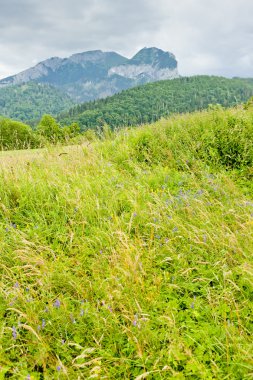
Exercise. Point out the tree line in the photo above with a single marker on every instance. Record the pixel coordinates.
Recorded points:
(17, 135)
(150, 102)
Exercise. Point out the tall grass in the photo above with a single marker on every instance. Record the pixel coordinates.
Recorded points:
(131, 257)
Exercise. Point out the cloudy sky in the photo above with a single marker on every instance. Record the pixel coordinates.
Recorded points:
(207, 36)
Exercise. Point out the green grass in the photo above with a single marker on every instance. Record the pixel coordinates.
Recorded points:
(131, 258)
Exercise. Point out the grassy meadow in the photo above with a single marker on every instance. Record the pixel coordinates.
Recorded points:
(131, 256)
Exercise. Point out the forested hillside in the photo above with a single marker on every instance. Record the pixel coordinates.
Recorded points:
(152, 101)
(30, 101)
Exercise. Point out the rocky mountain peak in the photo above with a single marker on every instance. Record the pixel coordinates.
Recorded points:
(94, 74)
(155, 57)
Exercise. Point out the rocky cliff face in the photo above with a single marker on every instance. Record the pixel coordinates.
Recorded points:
(96, 74)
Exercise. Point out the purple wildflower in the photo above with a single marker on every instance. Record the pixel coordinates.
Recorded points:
(13, 301)
(57, 303)
(135, 321)
(58, 368)
(14, 332)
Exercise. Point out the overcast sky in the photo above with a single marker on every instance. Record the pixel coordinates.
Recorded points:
(207, 36)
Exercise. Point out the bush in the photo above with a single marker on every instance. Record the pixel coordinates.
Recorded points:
(50, 129)
(16, 135)
(232, 140)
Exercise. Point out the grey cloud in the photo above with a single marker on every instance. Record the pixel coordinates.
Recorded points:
(207, 36)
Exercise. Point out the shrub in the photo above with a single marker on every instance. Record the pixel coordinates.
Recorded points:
(16, 135)
(50, 129)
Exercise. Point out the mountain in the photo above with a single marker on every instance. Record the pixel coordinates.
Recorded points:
(96, 74)
(152, 101)
(30, 101)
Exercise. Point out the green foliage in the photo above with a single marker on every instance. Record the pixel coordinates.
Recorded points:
(28, 102)
(152, 101)
(249, 104)
(233, 141)
(16, 135)
(49, 128)
(71, 131)
(130, 257)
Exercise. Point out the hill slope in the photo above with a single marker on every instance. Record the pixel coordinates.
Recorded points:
(96, 74)
(30, 101)
(131, 258)
(152, 101)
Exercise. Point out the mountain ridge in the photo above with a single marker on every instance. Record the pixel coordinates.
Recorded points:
(96, 74)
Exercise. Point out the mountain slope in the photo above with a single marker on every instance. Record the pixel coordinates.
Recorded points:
(155, 100)
(96, 74)
(31, 100)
